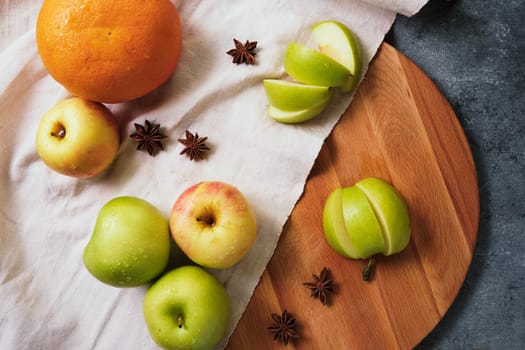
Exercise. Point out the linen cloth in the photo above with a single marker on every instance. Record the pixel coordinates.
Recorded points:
(48, 300)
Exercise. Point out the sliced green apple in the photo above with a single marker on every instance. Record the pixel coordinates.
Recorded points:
(391, 211)
(365, 233)
(338, 42)
(310, 66)
(334, 225)
(292, 96)
(292, 117)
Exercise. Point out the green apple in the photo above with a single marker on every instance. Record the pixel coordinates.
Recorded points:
(292, 117)
(130, 243)
(292, 96)
(338, 42)
(392, 213)
(368, 218)
(213, 224)
(78, 138)
(187, 308)
(310, 66)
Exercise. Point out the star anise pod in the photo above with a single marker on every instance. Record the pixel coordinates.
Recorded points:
(243, 53)
(321, 286)
(148, 137)
(195, 146)
(283, 328)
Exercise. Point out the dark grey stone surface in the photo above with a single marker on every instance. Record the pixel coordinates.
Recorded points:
(474, 51)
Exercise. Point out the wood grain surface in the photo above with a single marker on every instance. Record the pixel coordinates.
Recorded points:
(400, 128)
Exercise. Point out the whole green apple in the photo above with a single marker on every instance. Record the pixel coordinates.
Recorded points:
(368, 218)
(337, 41)
(130, 243)
(213, 224)
(187, 308)
(78, 138)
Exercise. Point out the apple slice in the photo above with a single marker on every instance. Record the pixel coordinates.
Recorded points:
(391, 211)
(310, 66)
(334, 226)
(293, 96)
(361, 223)
(292, 117)
(337, 41)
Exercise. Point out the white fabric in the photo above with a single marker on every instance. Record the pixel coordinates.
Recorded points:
(47, 298)
(407, 8)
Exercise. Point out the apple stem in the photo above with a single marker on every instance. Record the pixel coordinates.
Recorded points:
(367, 272)
(61, 133)
(179, 321)
(207, 220)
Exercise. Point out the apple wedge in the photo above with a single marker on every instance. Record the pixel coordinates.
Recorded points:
(292, 96)
(310, 66)
(391, 211)
(339, 43)
(361, 223)
(334, 226)
(293, 117)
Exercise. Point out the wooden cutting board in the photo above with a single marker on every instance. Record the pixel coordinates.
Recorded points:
(399, 128)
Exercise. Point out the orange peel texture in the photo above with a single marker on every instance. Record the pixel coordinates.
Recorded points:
(109, 51)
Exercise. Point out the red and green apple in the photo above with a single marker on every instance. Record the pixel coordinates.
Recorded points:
(213, 224)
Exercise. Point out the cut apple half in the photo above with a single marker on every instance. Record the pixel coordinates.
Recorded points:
(338, 42)
(391, 211)
(292, 117)
(293, 96)
(310, 66)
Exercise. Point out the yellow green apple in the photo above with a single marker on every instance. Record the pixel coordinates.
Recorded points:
(368, 218)
(130, 243)
(187, 308)
(310, 66)
(78, 138)
(213, 224)
(299, 116)
(292, 96)
(337, 41)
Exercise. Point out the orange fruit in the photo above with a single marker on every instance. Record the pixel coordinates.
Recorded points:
(109, 51)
